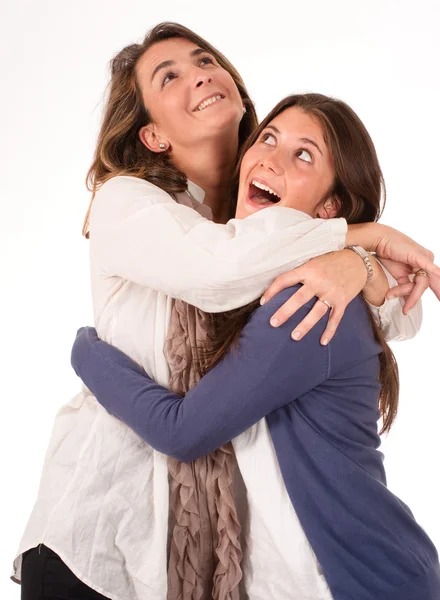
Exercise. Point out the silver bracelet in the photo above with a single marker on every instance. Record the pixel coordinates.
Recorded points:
(365, 257)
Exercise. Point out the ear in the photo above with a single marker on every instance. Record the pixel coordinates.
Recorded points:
(329, 209)
(151, 140)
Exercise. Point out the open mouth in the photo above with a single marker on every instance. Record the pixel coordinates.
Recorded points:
(209, 101)
(262, 194)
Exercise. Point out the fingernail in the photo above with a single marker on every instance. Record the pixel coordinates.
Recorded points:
(274, 322)
(391, 296)
(325, 342)
(296, 335)
(263, 301)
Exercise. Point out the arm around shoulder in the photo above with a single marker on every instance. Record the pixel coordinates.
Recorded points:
(267, 370)
(138, 232)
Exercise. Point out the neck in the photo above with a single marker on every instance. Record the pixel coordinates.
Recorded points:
(211, 167)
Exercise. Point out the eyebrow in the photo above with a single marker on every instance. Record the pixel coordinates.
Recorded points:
(162, 65)
(303, 139)
(169, 63)
(309, 141)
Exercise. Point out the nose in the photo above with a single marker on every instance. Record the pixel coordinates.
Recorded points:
(272, 162)
(201, 77)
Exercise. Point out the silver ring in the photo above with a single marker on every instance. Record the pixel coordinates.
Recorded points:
(326, 303)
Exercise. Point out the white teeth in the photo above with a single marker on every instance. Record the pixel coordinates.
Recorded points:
(266, 188)
(209, 101)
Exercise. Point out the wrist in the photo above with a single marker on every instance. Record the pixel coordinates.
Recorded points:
(366, 235)
(376, 290)
(365, 257)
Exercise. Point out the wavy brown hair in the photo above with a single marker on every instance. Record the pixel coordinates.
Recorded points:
(119, 150)
(360, 189)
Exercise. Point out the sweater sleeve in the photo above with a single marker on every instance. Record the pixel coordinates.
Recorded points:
(395, 325)
(266, 371)
(139, 233)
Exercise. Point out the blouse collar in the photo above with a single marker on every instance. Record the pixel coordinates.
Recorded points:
(196, 192)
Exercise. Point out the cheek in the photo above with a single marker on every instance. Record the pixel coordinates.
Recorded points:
(249, 161)
(300, 184)
(168, 111)
(302, 190)
(229, 84)
(252, 157)
(173, 100)
(245, 169)
(330, 180)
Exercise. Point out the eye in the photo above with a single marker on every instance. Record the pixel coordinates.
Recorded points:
(305, 156)
(206, 60)
(168, 77)
(269, 139)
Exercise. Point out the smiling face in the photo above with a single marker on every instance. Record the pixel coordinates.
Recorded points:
(288, 165)
(189, 96)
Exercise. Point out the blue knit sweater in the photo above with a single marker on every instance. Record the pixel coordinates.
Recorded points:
(320, 403)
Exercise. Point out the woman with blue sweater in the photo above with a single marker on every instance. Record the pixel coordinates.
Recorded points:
(321, 402)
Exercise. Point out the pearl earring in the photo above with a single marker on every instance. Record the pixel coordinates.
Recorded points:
(162, 146)
(244, 109)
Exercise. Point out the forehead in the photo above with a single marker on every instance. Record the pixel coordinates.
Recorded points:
(173, 49)
(295, 122)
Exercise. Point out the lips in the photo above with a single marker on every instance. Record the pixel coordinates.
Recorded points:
(261, 194)
(208, 101)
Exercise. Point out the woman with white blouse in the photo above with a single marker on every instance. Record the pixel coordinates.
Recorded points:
(176, 117)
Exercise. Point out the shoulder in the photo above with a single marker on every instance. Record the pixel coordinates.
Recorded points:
(265, 312)
(354, 340)
(279, 338)
(283, 361)
(127, 183)
(356, 319)
(123, 195)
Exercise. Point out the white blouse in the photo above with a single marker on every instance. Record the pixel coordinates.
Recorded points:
(102, 504)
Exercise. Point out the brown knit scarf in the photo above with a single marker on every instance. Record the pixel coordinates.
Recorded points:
(205, 550)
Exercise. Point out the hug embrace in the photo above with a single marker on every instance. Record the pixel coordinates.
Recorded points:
(225, 443)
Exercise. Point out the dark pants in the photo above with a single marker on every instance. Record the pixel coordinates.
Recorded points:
(45, 577)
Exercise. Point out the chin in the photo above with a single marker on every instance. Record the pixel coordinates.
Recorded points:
(244, 211)
(228, 118)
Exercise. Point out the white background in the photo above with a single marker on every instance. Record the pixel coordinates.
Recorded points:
(380, 56)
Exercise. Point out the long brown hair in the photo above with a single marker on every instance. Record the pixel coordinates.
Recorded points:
(119, 150)
(360, 189)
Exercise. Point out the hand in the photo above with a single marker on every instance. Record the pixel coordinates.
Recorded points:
(410, 286)
(434, 284)
(392, 244)
(337, 277)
